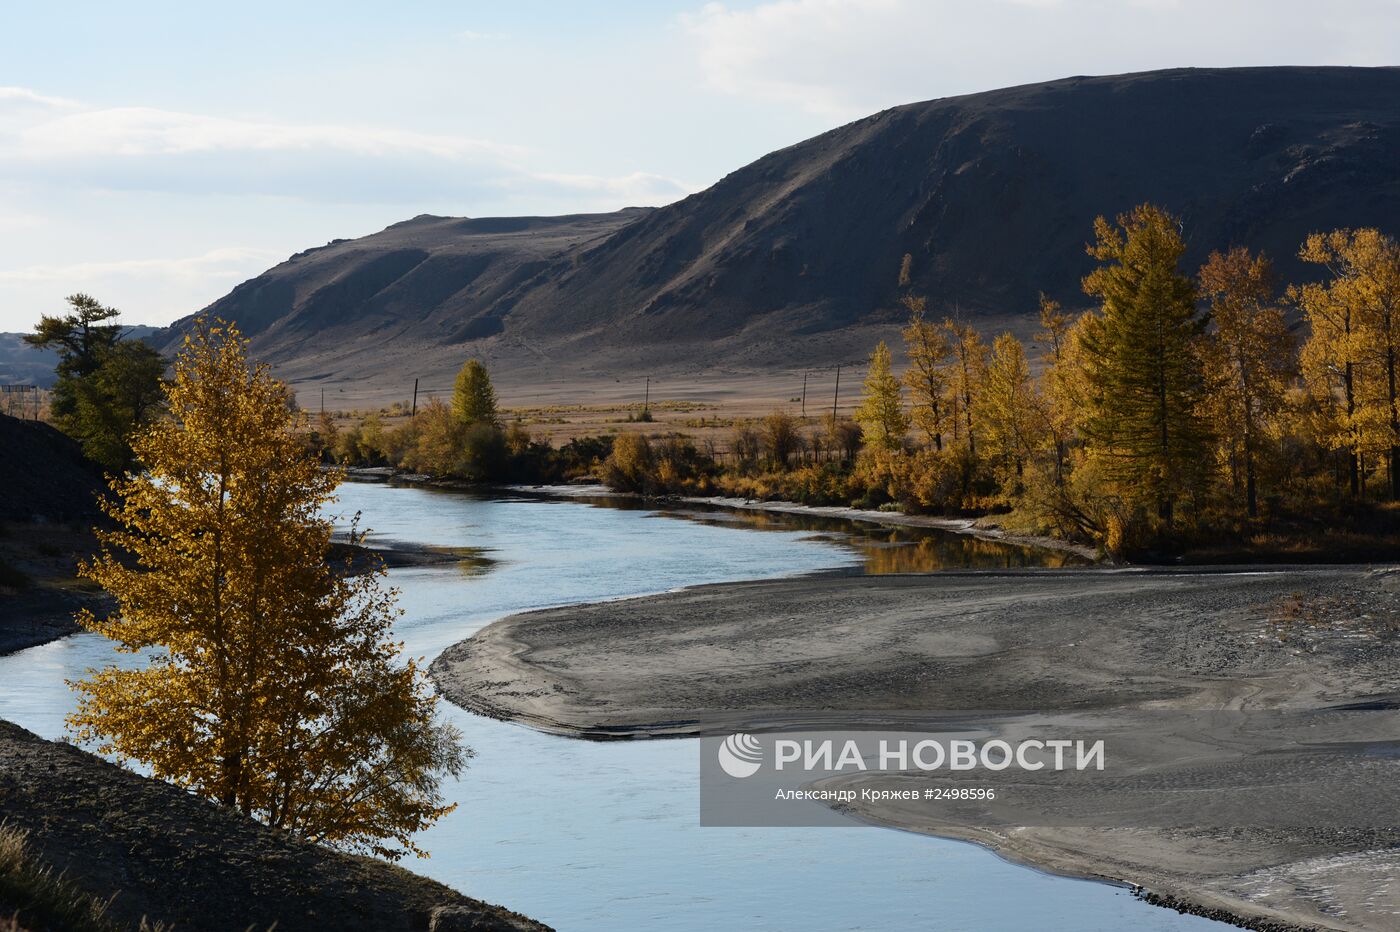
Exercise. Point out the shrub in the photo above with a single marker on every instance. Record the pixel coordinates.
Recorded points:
(628, 466)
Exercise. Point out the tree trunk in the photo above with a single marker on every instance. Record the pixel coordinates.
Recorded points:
(1251, 496)
(1393, 463)
(1354, 460)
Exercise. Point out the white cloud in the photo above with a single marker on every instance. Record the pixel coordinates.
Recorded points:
(23, 95)
(844, 59)
(150, 149)
(636, 189)
(151, 290)
(216, 263)
(73, 173)
(144, 131)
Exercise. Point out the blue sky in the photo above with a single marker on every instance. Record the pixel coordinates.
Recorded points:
(156, 154)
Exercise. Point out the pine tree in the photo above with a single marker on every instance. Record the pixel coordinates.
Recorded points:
(926, 345)
(881, 412)
(274, 686)
(1143, 357)
(107, 388)
(473, 398)
(1250, 359)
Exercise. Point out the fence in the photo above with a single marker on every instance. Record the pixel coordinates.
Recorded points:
(22, 401)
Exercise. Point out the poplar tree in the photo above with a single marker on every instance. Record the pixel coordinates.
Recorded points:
(1143, 361)
(1250, 359)
(274, 686)
(881, 412)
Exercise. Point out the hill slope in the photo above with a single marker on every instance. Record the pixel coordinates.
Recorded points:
(156, 851)
(794, 259)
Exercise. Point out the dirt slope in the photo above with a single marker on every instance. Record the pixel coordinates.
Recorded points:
(170, 856)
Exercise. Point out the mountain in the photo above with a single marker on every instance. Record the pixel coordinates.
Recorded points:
(794, 259)
(22, 364)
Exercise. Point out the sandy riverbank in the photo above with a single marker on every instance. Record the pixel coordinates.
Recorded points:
(747, 654)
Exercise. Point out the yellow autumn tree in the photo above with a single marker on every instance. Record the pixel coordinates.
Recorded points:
(926, 345)
(1061, 380)
(1352, 358)
(1068, 495)
(473, 397)
(1010, 413)
(1142, 355)
(968, 360)
(881, 413)
(273, 686)
(1250, 362)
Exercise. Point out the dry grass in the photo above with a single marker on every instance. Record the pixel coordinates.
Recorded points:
(33, 896)
(1308, 621)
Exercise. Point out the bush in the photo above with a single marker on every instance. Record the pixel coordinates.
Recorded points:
(628, 467)
(482, 455)
(670, 465)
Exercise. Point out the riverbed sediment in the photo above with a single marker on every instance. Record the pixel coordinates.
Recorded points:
(736, 657)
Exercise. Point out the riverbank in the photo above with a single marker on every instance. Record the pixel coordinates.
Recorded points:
(158, 852)
(42, 594)
(734, 657)
(981, 528)
(39, 588)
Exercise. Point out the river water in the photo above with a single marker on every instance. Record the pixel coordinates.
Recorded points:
(605, 836)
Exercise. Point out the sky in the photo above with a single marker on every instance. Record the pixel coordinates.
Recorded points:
(155, 154)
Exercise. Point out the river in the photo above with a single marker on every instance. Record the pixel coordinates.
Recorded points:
(589, 836)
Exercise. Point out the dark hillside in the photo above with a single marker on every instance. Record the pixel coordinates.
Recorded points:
(794, 259)
(44, 475)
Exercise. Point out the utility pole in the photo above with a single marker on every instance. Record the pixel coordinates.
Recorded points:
(835, 396)
(323, 401)
(646, 399)
(415, 399)
(804, 392)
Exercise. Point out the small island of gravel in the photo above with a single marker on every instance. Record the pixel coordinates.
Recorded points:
(731, 657)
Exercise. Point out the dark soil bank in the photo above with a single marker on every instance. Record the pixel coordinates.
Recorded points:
(169, 856)
(44, 475)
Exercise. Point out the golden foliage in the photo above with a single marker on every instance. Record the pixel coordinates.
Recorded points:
(881, 413)
(1011, 412)
(1250, 364)
(927, 347)
(273, 686)
(1351, 358)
